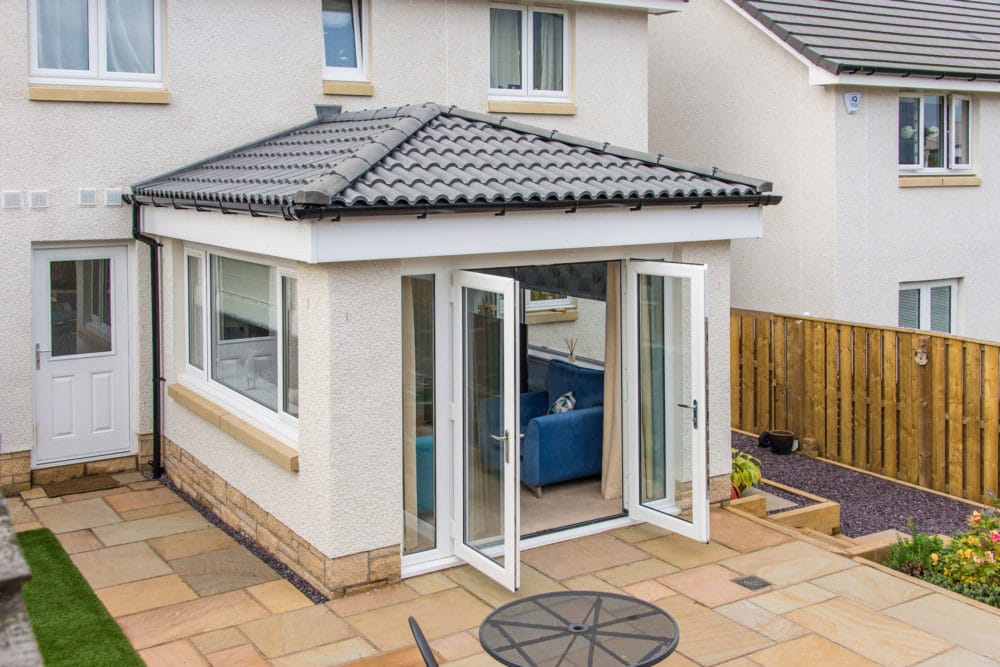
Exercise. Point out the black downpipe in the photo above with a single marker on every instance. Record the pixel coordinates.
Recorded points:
(154, 286)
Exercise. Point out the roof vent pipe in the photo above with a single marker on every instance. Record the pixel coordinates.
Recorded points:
(325, 112)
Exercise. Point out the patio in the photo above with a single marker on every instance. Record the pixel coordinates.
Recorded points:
(186, 593)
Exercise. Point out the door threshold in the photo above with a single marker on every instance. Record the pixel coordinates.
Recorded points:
(578, 530)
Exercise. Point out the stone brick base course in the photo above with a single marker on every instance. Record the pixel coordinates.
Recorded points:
(15, 472)
(334, 577)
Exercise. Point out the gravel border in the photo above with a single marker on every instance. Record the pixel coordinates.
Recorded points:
(868, 504)
(247, 542)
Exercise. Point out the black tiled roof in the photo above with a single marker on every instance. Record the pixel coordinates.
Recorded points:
(949, 38)
(428, 155)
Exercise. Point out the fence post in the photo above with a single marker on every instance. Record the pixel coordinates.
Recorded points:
(922, 372)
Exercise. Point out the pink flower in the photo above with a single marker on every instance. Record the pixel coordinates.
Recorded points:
(995, 535)
(976, 517)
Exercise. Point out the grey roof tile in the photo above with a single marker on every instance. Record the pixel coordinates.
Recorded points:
(428, 155)
(951, 38)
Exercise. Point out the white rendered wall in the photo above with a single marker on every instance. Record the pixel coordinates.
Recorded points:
(587, 329)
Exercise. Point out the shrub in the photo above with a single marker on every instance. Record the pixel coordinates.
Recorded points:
(746, 470)
(914, 556)
(973, 556)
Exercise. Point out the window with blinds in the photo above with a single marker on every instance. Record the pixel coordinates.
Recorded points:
(928, 305)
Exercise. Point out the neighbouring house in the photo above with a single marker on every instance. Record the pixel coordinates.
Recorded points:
(877, 121)
(352, 322)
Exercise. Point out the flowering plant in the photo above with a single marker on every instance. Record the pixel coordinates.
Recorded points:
(973, 556)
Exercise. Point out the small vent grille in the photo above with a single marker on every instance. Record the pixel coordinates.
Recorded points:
(11, 199)
(88, 197)
(38, 199)
(113, 197)
(752, 582)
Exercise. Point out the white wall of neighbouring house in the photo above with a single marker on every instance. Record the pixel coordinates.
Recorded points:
(724, 93)
(236, 72)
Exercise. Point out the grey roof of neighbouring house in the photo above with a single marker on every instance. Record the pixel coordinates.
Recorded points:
(427, 155)
(940, 38)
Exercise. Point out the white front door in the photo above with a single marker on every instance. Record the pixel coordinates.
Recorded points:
(487, 465)
(81, 354)
(667, 475)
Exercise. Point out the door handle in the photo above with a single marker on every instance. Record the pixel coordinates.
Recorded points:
(694, 415)
(506, 444)
(38, 356)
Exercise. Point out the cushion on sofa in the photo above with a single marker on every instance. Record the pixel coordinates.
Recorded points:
(587, 384)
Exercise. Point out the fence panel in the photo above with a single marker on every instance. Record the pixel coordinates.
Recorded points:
(913, 405)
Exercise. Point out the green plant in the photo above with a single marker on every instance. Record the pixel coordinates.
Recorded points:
(915, 556)
(746, 470)
(973, 556)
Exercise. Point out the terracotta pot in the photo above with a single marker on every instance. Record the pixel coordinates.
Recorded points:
(734, 491)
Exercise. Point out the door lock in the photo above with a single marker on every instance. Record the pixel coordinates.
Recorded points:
(694, 414)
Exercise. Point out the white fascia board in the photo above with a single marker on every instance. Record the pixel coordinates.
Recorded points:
(651, 6)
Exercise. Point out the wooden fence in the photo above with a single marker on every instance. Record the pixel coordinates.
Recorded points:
(913, 405)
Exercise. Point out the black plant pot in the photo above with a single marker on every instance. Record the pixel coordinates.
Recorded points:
(780, 442)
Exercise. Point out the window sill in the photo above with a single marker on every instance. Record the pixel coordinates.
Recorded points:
(270, 447)
(549, 316)
(939, 181)
(356, 88)
(541, 108)
(48, 93)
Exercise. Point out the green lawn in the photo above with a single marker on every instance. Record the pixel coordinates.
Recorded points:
(72, 626)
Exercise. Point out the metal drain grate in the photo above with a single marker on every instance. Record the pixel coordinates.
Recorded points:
(752, 582)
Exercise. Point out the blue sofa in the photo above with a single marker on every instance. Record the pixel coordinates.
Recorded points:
(566, 445)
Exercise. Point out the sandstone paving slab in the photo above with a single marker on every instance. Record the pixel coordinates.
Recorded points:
(279, 596)
(650, 590)
(533, 582)
(238, 656)
(793, 597)
(100, 493)
(68, 517)
(639, 533)
(181, 545)
(426, 584)
(19, 511)
(35, 492)
(740, 533)
(128, 477)
(963, 624)
(79, 540)
(35, 503)
(871, 587)
(218, 640)
(809, 650)
(336, 653)
(439, 614)
(457, 646)
(382, 597)
(712, 585)
(789, 563)
(296, 631)
(156, 510)
(590, 582)
(683, 552)
(959, 656)
(187, 619)
(137, 596)
(477, 660)
(773, 626)
(586, 555)
(145, 484)
(175, 654)
(119, 565)
(134, 500)
(220, 571)
(31, 525)
(678, 659)
(708, 637)
(623, 575)
(742, 661)
(870, 633)
(145, 529)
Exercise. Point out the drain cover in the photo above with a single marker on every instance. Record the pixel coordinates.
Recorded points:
(752, 582)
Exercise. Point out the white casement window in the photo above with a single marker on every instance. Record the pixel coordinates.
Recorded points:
(96, 42)
(242, 339)
(935, 132)
(529, 52)
(929, 305)
(343, 41)
(535, 300)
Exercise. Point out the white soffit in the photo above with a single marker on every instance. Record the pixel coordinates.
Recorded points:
(406, 236)
(651, 6)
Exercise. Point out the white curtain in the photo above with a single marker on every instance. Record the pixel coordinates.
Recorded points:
(131, 36)
(548, 48)
(63, 34)
(505, 48)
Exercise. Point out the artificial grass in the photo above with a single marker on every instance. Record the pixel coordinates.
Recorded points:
(71, 624)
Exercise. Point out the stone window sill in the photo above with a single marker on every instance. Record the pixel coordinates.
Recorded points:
(540, 108)
(935, 181)
(50, 93)
(270, 447)
(355, 88)
(547, 316)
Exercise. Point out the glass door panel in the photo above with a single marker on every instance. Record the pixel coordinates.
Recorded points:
(668, 446)
(487, 478)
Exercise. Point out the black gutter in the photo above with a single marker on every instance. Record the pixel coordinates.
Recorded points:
(154, 285)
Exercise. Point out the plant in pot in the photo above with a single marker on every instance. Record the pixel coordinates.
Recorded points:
(746, 473)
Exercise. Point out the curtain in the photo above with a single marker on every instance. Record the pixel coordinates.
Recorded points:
(611, 469)
(131, 36)
(548, 50)
(505, 48)
(411, 534)
(63, 34)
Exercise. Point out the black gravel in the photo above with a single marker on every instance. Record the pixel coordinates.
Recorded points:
(868, 504)
(251, 545)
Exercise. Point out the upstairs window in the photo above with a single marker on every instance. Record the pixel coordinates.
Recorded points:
(928, 305)
(344, 57)
(935, 132)
(96, 41)
(529, 52)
